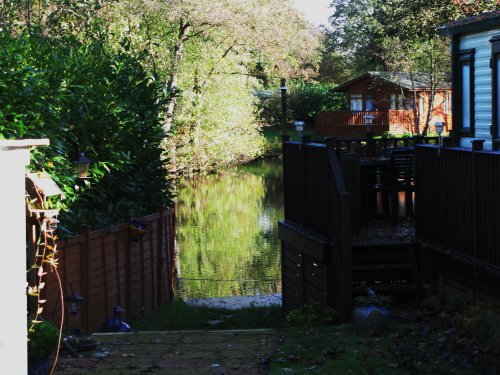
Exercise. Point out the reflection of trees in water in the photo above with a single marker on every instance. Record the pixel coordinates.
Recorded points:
(227, 230)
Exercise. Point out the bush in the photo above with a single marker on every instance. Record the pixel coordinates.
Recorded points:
(87, 97)
(312, 315)
(42, 340)
(305, 101)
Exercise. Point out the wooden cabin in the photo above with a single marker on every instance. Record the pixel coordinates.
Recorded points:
(475, 49)
(398, 102)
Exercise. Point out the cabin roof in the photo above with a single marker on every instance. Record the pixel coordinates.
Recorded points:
(477, 23)
(402, 79)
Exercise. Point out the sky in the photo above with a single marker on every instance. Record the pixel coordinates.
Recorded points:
(316, 11)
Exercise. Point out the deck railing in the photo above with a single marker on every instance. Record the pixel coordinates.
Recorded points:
(367, 147)
(458, 202)
(316, 232)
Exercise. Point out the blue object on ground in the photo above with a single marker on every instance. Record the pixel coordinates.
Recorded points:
(115, 324)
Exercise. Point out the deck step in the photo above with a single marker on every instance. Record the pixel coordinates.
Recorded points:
(384, 289)
(381, 267)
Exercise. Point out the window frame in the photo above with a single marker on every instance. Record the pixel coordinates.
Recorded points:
(495, 92)
(466, 57)
(359, 99)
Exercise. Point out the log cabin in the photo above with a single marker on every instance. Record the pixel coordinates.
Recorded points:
(398, 101)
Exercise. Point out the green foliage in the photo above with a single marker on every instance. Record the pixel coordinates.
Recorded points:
(178, 315)
(87, 97)
(42, 340)
(305, 101)
(215, 128)
(312, 315)
(475, 321)
(388, 134)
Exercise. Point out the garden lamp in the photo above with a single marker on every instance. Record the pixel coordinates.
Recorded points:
(82, 164)
(369, 122)
(299, 126)
(439, 126)
(283, 90)
(74, 301)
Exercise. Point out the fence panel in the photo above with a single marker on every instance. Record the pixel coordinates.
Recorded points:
(316, 232)
(107, 268)
(458, 201)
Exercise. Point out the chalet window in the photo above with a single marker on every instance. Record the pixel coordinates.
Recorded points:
(393, 101)
(466, 91)
(411, 103)
(369, 103)
(401, 104)
(495, 65)
(356, 102)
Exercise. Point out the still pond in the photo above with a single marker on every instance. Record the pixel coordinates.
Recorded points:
(227, 232)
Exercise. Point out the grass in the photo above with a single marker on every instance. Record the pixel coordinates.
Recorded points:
(460, 339)
(180, 316)
(413, 343)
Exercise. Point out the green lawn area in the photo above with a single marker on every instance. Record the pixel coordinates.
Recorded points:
(458, 339)
(180, 316)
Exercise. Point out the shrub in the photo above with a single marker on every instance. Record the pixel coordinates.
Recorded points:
(87, 97)
(312, 315)
(305, 101)
(42, 340)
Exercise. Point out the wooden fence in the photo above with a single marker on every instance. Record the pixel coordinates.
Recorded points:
(316, 231)
(107, 268)
(458, 208)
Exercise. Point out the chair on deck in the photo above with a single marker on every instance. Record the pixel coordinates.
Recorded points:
(399, 176)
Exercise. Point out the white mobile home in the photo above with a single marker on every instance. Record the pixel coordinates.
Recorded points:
(475, 49)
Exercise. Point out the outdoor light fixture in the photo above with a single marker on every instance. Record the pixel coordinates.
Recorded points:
(369, 122)
(283, 89)
(81, 167)
(299, 127)
(74, 301)
(439, 126)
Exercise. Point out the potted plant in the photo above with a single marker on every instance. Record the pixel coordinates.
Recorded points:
(43, 340)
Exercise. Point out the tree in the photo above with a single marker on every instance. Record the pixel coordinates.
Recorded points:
(216, 49)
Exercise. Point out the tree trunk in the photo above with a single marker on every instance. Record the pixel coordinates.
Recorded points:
(184, 29)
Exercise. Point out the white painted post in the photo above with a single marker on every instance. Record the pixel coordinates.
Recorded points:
(14, 157)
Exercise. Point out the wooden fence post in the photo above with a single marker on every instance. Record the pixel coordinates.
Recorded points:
(84, 269)
(159, 258)
(128, 271)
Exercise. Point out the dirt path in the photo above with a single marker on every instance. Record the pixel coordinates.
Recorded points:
(178, 352)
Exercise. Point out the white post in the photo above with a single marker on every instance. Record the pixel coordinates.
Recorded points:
(14, 157)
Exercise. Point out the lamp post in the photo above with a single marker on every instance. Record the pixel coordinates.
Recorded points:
(369, 122)
(370, 144)
(439, 126)
(299, 127)
(81, 166)
(283, 90)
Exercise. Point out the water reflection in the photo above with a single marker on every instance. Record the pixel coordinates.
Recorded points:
(227, 232)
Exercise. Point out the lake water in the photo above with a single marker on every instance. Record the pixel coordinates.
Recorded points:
(227, 233)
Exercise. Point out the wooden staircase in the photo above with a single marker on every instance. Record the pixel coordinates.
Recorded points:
(389, 268)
